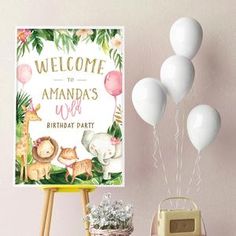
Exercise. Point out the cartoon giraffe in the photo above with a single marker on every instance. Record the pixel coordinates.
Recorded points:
(22, 147)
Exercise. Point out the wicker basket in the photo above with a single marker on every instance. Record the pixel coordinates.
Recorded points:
(111, 232)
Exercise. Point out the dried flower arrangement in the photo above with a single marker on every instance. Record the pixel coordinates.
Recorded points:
(110, 218)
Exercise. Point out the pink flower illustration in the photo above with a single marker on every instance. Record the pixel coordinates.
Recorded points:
(115, 140)
(23, 34)
(83, 33)
(38, 142)
(116, 41)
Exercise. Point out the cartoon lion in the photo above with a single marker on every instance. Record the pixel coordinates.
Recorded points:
(44, 151)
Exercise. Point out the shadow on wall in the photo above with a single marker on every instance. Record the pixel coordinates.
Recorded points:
(217, 88)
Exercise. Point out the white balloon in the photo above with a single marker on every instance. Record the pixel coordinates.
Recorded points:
(149, 100)
(177, 75)
(203, 124)
(186, 37)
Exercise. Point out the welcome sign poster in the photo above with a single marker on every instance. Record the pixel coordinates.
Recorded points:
(69, 106)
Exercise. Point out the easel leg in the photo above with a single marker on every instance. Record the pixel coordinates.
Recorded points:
(49, 214)
(45, 210)
(85, 201)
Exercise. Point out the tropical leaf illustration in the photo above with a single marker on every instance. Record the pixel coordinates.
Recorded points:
(36, 39)
(116, 57)
(64, 40)
(67, 40)
(57, 176)
(115, 130)
(22, 99)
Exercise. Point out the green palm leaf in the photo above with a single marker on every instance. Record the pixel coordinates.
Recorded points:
(22, 99)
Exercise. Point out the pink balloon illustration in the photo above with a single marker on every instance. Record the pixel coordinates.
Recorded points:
(113, 85)
(24, 73)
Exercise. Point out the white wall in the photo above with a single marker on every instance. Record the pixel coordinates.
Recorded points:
(147, 24)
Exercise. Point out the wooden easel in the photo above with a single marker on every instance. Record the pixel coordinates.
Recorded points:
(49, 192)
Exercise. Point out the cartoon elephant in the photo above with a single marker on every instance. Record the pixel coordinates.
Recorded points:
(107, 149)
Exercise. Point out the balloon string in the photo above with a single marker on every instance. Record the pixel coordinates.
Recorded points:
(181, 153)
(198, 173)
(154, 155)
(114, 109)
(157, 148)
(176, 136)
(196, 170)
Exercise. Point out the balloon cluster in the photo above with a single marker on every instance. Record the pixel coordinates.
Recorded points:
(149, 95)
